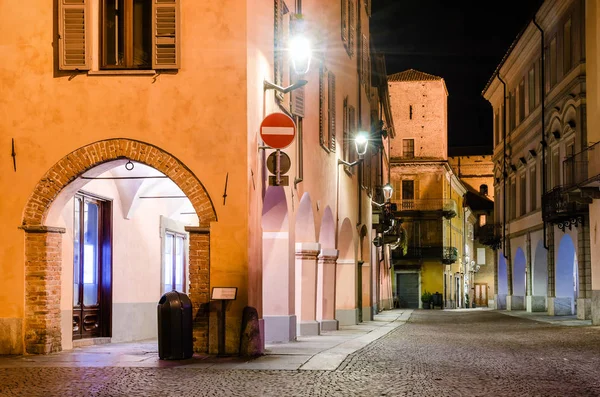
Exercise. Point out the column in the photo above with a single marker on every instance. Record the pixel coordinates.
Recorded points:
(199, 280)
(306, 288)
(584, 271)
(43, 264)
(326, 289)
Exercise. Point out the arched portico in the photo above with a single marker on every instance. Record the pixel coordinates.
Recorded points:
(566, 275)
(278, 269)
(307, 251)
(539, 285)
(43, 241)
(346, 291)
(326, 280)
(517, 300)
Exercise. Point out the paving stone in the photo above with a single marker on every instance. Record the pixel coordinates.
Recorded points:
(436, 353)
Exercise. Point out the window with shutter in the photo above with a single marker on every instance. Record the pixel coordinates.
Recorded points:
(331, 106)
(134, 34)
(344, 23)
(345, 136)
(352, 155)
(73, 40)
(323, 114)
(351, 27)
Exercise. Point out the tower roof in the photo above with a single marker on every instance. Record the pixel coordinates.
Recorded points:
(412, 75)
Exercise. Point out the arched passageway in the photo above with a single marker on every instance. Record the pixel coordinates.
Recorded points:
(566, 277)
(307, 250)
(539, 279)
(518, 293)
(346, 292)
(44, 240)
(326, 270)
(278, 269)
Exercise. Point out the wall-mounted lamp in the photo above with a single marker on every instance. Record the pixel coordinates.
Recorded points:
(388, 190)
(361, 142)
(300, 56)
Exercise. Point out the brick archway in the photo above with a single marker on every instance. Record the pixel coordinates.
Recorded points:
(43, 243)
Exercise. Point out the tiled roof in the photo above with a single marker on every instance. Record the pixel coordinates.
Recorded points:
(412, 75)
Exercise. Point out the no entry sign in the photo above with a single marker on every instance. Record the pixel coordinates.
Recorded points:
(278, 130)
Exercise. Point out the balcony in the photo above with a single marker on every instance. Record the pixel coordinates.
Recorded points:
(450, 255)
(565, 206)
(447, 255)
(419, 207)
(489, 234)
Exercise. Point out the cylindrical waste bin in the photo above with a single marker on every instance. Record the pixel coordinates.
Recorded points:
(437, 300)
(175, 326)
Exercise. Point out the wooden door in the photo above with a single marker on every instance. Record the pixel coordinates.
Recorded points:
(91, 267)
(481, 299)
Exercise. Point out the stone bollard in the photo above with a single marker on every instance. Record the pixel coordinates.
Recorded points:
(250, 342)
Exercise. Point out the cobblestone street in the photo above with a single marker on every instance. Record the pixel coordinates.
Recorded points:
(436, 353)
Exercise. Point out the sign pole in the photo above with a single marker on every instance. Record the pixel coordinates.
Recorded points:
(278, 167)
(222, 326)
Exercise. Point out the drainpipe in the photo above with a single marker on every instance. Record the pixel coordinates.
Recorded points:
(542, 103)
(503, 170)
(300, 151)
(359, 121)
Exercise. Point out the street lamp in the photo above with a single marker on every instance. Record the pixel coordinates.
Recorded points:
(361, 142)
(300, 57)
(388, 190)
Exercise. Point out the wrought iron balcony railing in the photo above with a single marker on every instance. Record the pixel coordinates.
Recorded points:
(447, 255)
(489, 234)
(450, 255)
(575, 168)
(563, 208)
(448, 207)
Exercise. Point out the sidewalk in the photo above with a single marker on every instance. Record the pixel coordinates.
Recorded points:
(324, 352)
(570, 321)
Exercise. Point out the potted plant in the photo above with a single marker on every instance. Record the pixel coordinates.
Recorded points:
(467, 301)
(426, 299)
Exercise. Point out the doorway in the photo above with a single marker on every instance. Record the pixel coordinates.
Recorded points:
(481, 299)
(92, 266)
(408, 290)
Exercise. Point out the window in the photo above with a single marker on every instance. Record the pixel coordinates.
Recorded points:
(365, 63)
(567, 47)
(408, 148)
(512, 110)
(348, 25)
(523, 193)
(174, 268)
(482, 220)
(521, 101)
(553, 64)
(512, 197)
(483, 189)
(555, 169)
(349, 131)
(133, 34)
(532, 189)
(496, 128)
(408, 190)
(281, 34)
(531, 85)
(327, 109)
(410, 112)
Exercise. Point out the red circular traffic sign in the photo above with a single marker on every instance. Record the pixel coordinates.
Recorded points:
(278, 130)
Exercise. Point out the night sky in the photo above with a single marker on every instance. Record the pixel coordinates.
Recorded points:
(462, 42)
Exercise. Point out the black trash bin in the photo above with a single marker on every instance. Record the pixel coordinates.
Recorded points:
(175, 326)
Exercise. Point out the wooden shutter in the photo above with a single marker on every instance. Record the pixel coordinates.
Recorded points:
(322, 113)
(298, 102)
(344, 21)
(331, 98)
(351, 26)
(73, 40)
(345, 137)
(166, 34)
